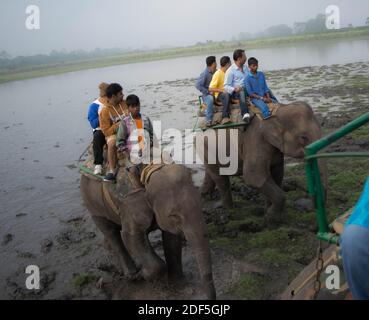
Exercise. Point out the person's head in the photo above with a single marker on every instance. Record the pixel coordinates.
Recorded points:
(102, 87)
(239, 57)
(225, 63)
(114, 92)
(133, 104)
(211, 63)
(253, 64)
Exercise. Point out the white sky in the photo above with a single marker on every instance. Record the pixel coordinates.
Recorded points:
(87, 24)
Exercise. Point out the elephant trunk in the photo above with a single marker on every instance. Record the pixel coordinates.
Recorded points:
(197, 238)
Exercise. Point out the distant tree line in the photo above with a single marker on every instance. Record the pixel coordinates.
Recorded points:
(315, 25)
(7, 63)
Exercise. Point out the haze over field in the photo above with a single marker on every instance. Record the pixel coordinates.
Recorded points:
(73, 25)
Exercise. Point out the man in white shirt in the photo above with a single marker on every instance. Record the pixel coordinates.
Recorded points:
(235, 80)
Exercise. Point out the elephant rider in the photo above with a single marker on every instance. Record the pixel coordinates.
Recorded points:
(132, 136)
(98, 141)
(109, 117)
(258, 89)
(217, 87)
(234, 82)
(202, 84)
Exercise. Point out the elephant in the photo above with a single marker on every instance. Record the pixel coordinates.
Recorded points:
(262, 146)
(169, 202)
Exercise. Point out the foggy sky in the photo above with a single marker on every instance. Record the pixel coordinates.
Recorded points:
(87, 24)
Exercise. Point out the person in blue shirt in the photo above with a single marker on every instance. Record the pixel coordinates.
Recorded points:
(98, 137)
(202, 84)
(354, 245)
(258, 89)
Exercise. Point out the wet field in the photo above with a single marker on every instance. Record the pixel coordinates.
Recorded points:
(42, 218)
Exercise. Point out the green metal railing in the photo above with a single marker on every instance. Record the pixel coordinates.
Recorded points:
(314, 183)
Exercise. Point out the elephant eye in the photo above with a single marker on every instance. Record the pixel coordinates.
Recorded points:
(304, 140)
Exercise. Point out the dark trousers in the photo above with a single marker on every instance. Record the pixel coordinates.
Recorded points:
(98, 147)
(226, 98)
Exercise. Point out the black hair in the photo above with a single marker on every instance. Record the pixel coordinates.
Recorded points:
(253, 61)
(132, 100)
(113, 89)
(224, 61)
(238, 54)
(210, 60)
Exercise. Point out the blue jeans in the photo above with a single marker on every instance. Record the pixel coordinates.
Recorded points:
(209, 101)
(355, 255)
(242, 96)
(262, 106)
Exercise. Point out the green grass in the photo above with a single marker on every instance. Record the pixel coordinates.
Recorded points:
(213, 47)
(82, 279)
(250, 287)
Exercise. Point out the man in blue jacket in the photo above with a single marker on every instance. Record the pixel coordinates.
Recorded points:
(258, 89)
(202, 84)
(98, 137)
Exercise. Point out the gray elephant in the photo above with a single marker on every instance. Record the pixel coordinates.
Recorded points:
(171, 203)
(261, 150)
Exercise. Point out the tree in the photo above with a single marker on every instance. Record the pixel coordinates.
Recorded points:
(280, 30)
(315, 25)
(367, 21)
(5, 55)
(299, 27)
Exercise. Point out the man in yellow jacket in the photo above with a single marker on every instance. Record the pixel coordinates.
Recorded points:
(217, 87)
(110, 116)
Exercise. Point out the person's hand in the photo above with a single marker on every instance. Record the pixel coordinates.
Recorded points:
(238, 89)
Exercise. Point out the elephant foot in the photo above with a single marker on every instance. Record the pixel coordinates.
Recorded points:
(273, 218)
(154, 272)
(133, 276)
(176, 279)
(228, 204)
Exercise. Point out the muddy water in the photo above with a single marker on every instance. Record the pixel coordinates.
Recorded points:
(44, 129)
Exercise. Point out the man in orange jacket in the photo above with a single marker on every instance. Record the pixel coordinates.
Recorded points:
(110, 116)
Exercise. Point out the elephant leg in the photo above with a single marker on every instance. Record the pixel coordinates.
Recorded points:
(277, 172)
(111, 232)
(140, 248)
(172, 245)
(277, 198)
(208, 186)
(224, 187)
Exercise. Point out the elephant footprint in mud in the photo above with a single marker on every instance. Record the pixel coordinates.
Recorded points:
(170, 203)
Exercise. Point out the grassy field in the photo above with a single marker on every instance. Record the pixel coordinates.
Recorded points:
(209, 48)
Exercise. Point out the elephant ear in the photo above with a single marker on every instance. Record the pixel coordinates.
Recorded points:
(272, 131)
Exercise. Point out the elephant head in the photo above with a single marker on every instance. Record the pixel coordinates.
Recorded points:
(292, 129)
